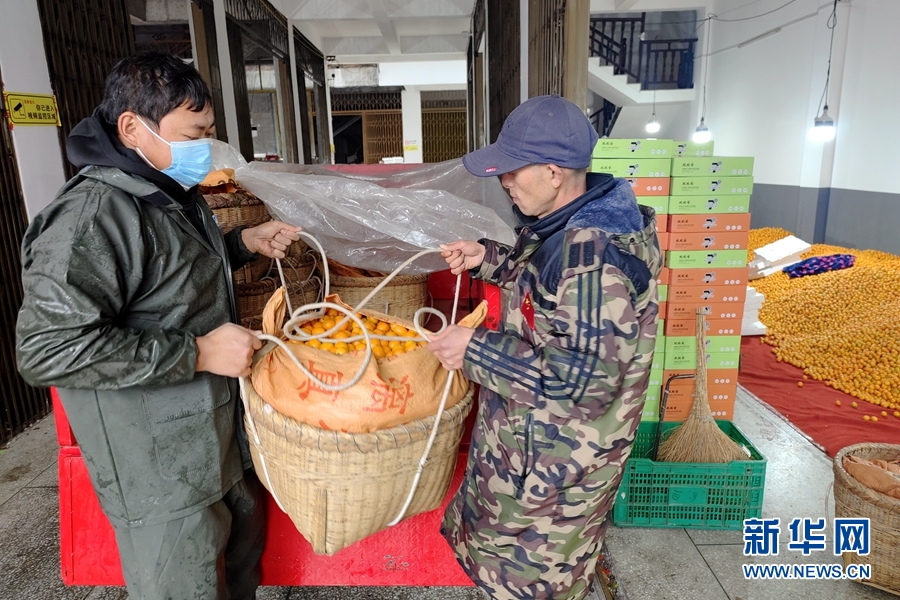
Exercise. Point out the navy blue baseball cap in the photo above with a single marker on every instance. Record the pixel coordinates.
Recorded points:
(542, 130)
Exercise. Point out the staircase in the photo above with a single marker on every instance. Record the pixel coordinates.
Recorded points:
(626, 70)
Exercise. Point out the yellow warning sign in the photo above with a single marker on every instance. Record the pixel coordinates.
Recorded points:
(31, 109)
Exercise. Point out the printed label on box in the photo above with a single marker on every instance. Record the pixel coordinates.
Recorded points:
(679, 407)
(708, 222)
(708, 204)
(721, 311)
(711, 240)
(691, 148)
(658, 203)
(675, 327)
(701, 186)
(715, 343)
(720, 383)
(727, 166)
(637, 167)
(613, 148)
(698, 259)
(708, 277)
(705, 294)
(714, 360)
(649, 186)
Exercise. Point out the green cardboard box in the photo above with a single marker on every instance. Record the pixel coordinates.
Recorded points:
(694, 149)
(656, 378)
(651, 404)
(663, 292)
(658, 361)
(702, 186)
(705, 166)
(607, 148)
(717, 344)
(633, 167)
(658, 203)
(660, 344)
(688, 360)
(708, 204)
(701, 259)
(660, 327)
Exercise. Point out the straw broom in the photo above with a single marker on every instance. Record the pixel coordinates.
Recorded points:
(699, 439)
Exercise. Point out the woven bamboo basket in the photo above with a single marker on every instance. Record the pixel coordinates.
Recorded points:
(852, 499)
(401, 297)
(252, 297)
(237, 208)
(253, 270)
(339, 488)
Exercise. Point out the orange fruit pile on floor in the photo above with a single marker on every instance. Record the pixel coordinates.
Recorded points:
(841, 327)
(388, 339)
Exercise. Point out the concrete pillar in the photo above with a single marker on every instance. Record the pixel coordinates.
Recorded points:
(225, 74)
(578, 18)
(296, 89)
(411, 101)
(524, 34)
(24, 68)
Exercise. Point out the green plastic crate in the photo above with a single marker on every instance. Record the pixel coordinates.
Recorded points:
(689, 495)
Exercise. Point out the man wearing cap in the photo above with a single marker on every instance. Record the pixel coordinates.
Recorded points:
(562, 380)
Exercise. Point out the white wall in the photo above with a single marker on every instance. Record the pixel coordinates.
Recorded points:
(674, 122)
(444, 74)
(411, 102)
(866, 153)
(24, 68)
(758, 95)
(762, 98)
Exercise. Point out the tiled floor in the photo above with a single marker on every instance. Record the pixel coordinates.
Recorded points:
(670, 564)
(650, 564)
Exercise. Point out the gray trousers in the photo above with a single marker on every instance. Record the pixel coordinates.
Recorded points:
(212, 554)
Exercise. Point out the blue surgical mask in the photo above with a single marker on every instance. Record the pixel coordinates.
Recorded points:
(191, 160)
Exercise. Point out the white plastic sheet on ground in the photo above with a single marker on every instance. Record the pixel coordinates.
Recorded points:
(378, 221)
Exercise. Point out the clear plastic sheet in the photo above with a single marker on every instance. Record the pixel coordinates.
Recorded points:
(377, 220)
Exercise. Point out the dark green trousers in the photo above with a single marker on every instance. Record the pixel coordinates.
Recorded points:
(212, 554)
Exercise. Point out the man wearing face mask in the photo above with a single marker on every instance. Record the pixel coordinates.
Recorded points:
(129, 311)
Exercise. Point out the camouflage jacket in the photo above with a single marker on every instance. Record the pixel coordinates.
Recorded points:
(562, 386)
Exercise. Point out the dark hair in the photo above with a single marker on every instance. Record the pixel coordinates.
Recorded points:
(152, 84)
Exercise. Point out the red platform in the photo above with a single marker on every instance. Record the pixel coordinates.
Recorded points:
(412, 553)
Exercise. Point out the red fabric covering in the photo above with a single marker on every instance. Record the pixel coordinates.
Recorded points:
(812, 408)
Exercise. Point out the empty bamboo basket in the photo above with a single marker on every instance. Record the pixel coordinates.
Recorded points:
(401, 297)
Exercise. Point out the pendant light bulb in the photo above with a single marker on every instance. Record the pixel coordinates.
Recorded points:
(702, 134)
(652, 124)
(823, 129)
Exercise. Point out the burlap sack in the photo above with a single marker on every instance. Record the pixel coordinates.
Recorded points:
(392, 391)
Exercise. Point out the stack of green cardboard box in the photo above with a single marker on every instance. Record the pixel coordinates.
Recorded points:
(702, 204)
(647, 165)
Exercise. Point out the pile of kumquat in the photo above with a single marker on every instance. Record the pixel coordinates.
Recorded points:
(388, 339)
(841, 327)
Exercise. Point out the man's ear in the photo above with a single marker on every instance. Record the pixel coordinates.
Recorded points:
(127, 127)
(556, 176)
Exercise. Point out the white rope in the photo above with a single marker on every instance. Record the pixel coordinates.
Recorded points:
(292, 330)
(262, 461)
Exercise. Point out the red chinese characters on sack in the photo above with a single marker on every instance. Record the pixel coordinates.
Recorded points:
(390, 395)
(307, 387)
